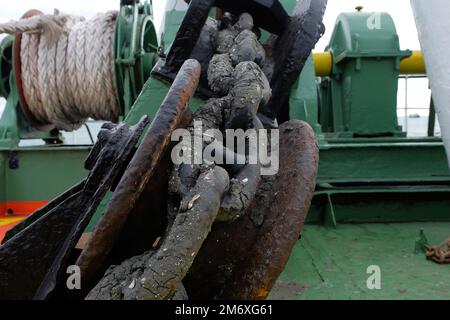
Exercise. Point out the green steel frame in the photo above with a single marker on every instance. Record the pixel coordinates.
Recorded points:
(368, 169)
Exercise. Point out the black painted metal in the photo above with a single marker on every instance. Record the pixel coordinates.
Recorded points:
(187, 36)
(267, 14)
(293, 48)
(42, 211)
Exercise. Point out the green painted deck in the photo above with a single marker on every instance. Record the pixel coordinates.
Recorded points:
(331, 263)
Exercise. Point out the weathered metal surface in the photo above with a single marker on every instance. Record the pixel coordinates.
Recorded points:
(205, 47)
(189, 42)
(33, 260)
(269, 15)
(250, 91)
(187, 35)
(140, 171)
(290, 52)
(243, 188)
(157, 275)
(147, 221)
(43, 211)
(242, 191)
(243, 259)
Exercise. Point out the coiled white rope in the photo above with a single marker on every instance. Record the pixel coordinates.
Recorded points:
(67, 68)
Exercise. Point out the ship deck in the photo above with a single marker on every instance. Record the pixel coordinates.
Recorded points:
(329, 263)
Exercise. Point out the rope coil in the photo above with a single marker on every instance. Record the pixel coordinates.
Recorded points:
(67, 67)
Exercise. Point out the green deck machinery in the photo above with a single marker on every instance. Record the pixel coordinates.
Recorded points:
(377, 189)
(369, 170)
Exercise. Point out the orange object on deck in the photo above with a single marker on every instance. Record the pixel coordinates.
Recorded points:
(12, 212)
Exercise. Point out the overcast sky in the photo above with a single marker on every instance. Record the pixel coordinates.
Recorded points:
(399, 9)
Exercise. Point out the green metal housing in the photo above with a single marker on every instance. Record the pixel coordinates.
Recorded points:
(369, 170)
(361, 93)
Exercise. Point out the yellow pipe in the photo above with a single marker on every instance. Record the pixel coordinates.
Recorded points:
(413, 64)
(323, 63)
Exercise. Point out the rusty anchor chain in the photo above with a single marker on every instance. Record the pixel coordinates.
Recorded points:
(190, 240)
(158, 274)
(439, 253)
(140, 171)
(243, 259)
